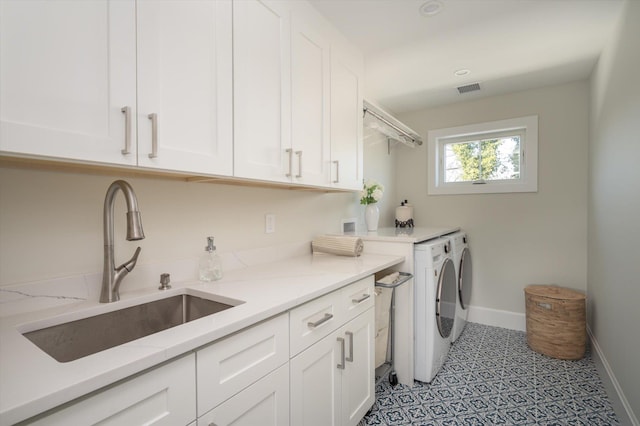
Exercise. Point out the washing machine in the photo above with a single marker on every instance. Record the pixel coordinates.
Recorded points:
(461, 254)
(434, 310)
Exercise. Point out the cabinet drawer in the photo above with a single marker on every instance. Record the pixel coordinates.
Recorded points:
(264, 403)
(315, 320)
(162, 396)
(227, 366)
(319, 317)
(357, 297)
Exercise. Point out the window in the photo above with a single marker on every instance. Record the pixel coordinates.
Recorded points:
(499, 156)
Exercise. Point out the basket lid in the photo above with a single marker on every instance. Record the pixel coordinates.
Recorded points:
(554, 292)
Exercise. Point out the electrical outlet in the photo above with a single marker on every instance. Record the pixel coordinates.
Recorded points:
(269, 223)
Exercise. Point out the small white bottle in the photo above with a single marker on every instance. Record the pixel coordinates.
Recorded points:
(210, 268)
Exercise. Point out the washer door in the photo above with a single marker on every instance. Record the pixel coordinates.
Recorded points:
(446, 298)
(464, 281)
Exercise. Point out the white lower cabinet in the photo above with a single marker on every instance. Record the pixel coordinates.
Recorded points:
(358, 376)
(332, 382)
(315, 384)
(332, 377)
(264, 403)
(165, 395)
(230, 365)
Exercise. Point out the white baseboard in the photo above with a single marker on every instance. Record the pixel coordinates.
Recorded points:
(497, 318)
(611, 382)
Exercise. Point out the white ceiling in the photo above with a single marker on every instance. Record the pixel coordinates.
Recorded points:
(508, 45)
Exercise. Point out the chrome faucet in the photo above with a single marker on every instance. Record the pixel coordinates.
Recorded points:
(112, 276)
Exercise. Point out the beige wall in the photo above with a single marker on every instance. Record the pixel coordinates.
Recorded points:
(379, 165)
(51, 223)
(516, 239)
(614, 207)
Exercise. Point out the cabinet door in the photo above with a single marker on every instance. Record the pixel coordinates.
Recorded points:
(262, 78)
(67, 70)
(346, 119)
(358, 382)
(163, 396)
(310, 94)
(264, 403)
(184, 85)
(315, 384)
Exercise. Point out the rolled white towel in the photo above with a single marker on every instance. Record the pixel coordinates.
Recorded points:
(341, 245)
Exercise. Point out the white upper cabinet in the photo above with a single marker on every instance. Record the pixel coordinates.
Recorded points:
(185, 85)
(259, 89)
(346, 118)
(310, 94)
(69, 88)
(262, 107)
(283, 96)
(67, 71)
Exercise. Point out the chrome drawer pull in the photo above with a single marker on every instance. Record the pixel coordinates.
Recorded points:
(127, 130)
(154, 134)
(342, 362)
(350, 335)
(299, 154)
(337, 163)
(362, 299)
(290, 152)
(322, 320)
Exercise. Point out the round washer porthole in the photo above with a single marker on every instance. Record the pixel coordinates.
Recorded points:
(446, 298)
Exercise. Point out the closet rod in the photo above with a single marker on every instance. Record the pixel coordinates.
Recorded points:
(393, 126)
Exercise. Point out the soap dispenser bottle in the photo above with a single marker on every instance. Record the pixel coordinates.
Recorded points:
(210, 264)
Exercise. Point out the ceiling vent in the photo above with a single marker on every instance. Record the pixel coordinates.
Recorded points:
(469, 88)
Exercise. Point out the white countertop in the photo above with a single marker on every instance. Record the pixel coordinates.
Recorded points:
(407, 235)
(32, 382)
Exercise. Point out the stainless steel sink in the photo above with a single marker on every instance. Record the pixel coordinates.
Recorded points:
(76, 339)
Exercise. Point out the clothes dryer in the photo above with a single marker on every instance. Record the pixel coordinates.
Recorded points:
(461, 254)
(434, 310)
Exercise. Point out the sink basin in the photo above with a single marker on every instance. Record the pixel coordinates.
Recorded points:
(76, 339)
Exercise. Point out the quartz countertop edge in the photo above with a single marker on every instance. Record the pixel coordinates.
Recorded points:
(31, 382)
(407, 235)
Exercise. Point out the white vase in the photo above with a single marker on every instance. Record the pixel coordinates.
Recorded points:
(371, 216)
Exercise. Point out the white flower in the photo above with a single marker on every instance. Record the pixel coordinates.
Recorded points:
(372, 192)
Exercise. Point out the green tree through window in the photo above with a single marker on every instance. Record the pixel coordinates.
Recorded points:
(483, 160)
(478, 160)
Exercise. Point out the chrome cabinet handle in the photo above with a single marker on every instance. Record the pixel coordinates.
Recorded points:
(154, 134)
(126, 110)
(350, 335)
(362, 299)
(290, 152)
(341, 365)
(299, 154)
(322, 320)
(337, 163)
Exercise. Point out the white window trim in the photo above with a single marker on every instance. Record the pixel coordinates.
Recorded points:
(528, 181)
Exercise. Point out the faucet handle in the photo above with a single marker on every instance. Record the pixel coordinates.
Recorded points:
(165, 279)
(131, 263)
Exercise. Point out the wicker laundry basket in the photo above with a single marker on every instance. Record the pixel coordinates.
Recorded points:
(556, 321)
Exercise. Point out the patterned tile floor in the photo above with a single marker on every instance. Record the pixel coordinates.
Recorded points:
(491, 377)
